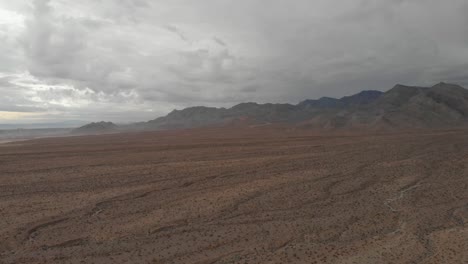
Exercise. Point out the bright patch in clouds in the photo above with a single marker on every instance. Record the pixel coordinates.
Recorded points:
(17, 115)
(11, 19)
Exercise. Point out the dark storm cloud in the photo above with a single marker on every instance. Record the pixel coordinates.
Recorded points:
(148, 57)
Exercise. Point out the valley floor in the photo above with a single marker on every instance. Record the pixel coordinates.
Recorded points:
(236, 196)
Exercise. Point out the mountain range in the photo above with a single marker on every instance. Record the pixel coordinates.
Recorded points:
(440, 106)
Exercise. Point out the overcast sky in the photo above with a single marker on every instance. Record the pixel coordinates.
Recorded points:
(134, 60)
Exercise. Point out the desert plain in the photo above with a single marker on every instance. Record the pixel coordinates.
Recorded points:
(224, 195)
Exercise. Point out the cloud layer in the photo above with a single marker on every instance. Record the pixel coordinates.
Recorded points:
(135, 60)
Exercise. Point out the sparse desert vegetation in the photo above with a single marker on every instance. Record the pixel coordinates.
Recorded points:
(258, 195)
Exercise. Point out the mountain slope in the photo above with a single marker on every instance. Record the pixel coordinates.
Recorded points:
(208, 116)
(362, 98)
(96, 128)
(259, 113)
(443, 105)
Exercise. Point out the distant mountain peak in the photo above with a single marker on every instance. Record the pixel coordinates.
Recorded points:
(99, 124)
(443, 85)
(245, 105)
(401, 87)
(96, 128)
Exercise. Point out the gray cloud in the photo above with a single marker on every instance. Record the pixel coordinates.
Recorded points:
(177, 31)
(139, 58)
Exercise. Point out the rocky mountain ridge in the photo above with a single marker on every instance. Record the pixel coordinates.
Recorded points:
(442, 105)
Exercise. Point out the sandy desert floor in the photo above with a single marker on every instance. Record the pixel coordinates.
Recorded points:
(236, 196)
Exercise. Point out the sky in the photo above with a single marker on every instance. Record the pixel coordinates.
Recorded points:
(135, 60)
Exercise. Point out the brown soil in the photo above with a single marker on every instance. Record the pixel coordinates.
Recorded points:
(236, 196)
